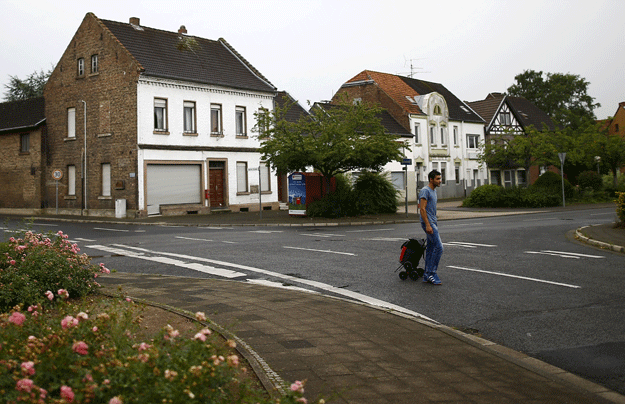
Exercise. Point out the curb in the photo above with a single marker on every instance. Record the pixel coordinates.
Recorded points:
(607, 246)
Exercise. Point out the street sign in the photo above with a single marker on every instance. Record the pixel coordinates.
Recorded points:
(562, 157)
(406, 162)
(57, 174)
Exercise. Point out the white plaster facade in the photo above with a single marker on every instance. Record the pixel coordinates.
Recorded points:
(172, 145)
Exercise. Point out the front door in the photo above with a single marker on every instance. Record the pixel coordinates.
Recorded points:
(216, 186)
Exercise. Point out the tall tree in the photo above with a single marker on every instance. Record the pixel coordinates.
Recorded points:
(334, 139)
(596, 141)
(564, 97)
(31, 87)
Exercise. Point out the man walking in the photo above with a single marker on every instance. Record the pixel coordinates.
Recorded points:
(429, 223)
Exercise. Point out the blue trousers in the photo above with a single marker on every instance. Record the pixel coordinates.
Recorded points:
(433, 251)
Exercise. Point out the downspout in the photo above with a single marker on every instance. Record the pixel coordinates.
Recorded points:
(85, 136)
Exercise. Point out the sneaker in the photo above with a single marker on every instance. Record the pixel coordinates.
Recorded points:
(434, 280)
(425, 277)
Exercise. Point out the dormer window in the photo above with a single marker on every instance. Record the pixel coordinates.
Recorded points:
(81, 67)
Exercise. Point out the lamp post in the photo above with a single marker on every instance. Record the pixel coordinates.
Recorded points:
(598, 160)
(562, 157)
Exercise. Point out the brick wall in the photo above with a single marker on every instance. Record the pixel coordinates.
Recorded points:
(21, 173)
(110, 95)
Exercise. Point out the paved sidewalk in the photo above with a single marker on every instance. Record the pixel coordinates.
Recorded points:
(354, 353)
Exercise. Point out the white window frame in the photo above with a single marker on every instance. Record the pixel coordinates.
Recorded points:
(432, 135)
(71, 123)
(216, 120)
(443, 137)
(188, 117)
(265, 177)
(94, 64)
(443, 171)
(81, 66)
(106, 179)
(71, 180)
(417, 134)
(242, 182)
(240, 118)
(455, 136)
(476, 141)
(25, 143)
(160, 103)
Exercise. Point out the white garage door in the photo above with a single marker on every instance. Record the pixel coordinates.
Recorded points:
(173, 184)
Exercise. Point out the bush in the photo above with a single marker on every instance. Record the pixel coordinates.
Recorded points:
(494, 196)
(33, 264)
(620, 207)
(590, 180)
(485, 196)
(551, 183)
(374, 194)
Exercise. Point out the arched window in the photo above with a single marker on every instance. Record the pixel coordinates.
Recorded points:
(437, 110)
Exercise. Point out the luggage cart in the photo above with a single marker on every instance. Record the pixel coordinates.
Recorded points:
(411, 253)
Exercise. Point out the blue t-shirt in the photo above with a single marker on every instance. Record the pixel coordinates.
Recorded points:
(429, 195)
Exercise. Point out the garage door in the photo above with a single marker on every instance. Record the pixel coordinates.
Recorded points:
(173, 184)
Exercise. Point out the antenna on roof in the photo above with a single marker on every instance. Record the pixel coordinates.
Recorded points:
(413, 68)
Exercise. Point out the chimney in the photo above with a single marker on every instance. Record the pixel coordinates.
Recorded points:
(182, 30)
(134, 21)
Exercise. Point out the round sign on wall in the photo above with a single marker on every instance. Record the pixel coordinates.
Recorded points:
(57, 174)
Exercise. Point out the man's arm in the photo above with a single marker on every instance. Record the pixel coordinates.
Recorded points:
(424, 215)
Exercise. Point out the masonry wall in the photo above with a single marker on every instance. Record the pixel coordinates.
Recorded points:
(21, 173)
(109, 98)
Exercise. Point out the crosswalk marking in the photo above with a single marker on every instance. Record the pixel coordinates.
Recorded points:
(515, 276)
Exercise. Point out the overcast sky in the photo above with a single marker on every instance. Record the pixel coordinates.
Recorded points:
(310, 48)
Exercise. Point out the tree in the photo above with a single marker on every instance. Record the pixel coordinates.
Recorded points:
(564, 97)
(30, 87)
(598, 142)
(334, 139)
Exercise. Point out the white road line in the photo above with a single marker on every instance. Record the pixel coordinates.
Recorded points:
(565, 254)
(323, 251)
(226, 273)
(386, 239)
(139, 231)
(364, 231)
(45, 224)
(265, 231)
(265, 282)
(106, 229)
(516, 276)
(461, 243)
(321, 235)
(318, 285)
(552, 254)
(84, 239)
(193, 239)
(601, 214)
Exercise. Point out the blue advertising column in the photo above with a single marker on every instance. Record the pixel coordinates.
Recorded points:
(297, 194)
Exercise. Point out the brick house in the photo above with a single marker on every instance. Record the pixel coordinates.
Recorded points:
(23, 171)
(446, 132)
(148, 121)
(510, 116)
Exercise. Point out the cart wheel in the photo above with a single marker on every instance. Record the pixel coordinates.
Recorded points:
(413, 275)
(420, 271)
(403, 275)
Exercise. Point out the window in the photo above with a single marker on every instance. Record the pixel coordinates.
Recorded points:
(81, 66)
(437, 110)
(189, 117)
(507, 178)
(94, 63)
(25, 142)
(216, 127)
(262, 120)
(443, 173)
(106, 179)
(241, 177)
(432, 136)
(71, 180)
(521, 178)
(160, 114)
(397, 179)
(265, 177)
(240, 119)
(417, 135)
(455, 136)
(472, 141)
(495, 177)
(475, 178)
(505, 119)
(71, 123)
(443, 140)
(457, 173)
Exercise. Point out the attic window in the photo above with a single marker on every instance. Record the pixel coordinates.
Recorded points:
(412, 100)
(437, 110)
(462, 107)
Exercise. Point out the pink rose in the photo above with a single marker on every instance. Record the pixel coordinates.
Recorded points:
(12, 262)
(17, 318)
(67, 393)
(82, 316)
(80, 348)
(24, 385)
(297, 386)
(200, 316)
(115, 400)
(63, 293)
(49, 295)
(144, 347)
(28, 368)
(200, 337)
(68, 322)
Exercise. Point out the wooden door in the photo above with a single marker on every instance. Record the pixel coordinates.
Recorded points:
(216, 187)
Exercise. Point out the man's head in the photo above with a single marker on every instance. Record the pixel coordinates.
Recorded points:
(434, 177)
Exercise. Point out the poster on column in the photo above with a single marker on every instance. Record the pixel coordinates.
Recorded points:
(297, 194)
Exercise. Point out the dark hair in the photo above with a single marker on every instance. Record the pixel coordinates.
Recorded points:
(433, 174)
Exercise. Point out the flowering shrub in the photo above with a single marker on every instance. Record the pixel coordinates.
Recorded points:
(91, 353)
(35, 267)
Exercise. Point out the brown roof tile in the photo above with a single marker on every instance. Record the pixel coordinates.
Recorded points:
(22, 115)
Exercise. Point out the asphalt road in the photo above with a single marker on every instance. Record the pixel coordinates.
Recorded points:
(520, 281)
